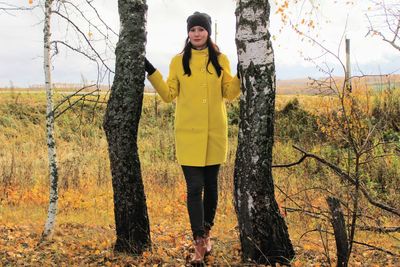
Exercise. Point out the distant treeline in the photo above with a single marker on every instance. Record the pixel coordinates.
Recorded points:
(284, 87)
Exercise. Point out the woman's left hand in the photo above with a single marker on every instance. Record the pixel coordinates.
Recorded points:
(148, 67)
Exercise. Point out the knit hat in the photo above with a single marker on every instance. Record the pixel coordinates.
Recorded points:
(199, 19)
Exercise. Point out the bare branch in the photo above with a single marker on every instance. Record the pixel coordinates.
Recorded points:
(55, 43)
(106, 37)
(99, 17)
(390, 16)
(375, 248)
(72, 95)
(380, 229)
(4, 6)
(82, 98)
(290, 164)
(325, 49)
(376, 157)
(362, 244)
(86, 39)
(307, 212)
(350, 179)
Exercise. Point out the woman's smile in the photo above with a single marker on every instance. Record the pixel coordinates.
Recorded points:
(198, 37)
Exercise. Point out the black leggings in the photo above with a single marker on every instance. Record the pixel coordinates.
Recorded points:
(201, 210)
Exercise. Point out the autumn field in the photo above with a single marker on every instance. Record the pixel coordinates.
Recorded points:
(85, 230)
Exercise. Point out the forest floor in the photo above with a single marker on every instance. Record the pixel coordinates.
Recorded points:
(85, 233)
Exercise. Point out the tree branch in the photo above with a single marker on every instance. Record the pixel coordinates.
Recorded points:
(290, 164)
(363, 244)
(77, 50)
(86, 39)
(99, 17)
(72, 95)
(350, 179)
(4, 6)
(380, 229)
(376, 248)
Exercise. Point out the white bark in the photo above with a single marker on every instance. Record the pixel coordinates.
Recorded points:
(263, 232)
(51, 145)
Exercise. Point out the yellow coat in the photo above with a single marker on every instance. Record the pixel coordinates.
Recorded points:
(201, 128)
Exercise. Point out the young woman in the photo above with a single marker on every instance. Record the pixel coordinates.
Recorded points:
(200, 79)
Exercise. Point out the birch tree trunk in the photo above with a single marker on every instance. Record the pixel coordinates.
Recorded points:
(263, 232)
(51, 143)
(121, 126)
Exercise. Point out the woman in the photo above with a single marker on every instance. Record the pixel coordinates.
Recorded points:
(200, 79)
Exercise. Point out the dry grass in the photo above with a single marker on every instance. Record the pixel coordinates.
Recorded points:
(85, 223)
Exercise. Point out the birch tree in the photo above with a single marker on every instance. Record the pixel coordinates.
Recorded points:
(263, 233)
(121, 126)
(51, 143)
(71, 16)
(50, 114)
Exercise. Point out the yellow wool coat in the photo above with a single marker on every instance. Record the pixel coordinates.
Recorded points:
(201, 128)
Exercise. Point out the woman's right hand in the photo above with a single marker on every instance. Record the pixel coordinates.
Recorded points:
(148, 67)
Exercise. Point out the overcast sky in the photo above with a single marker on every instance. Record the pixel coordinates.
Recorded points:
(21, 40)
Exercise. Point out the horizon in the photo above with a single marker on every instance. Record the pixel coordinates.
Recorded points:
(283, 86)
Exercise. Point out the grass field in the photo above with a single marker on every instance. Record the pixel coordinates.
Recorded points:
(85, 223)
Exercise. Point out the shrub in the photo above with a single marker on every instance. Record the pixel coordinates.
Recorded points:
(296, 124)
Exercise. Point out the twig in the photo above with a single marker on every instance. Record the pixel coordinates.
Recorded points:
(380, 229)
(350, 179)
(99, 17)
(76, 93)
(86, 39)
(56, 42)
(376, 248)
(307, 212)
(290, 164)
(367, 245)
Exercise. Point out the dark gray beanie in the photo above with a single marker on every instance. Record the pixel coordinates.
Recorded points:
(199, 19)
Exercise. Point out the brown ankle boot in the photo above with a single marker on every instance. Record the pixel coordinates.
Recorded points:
(199, 250)
(207, 238)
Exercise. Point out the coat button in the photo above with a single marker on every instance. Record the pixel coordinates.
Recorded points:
(204, 101)
(203, 70)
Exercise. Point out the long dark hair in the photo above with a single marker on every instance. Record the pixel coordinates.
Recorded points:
(213, 53)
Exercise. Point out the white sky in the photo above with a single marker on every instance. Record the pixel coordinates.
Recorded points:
(21, 40)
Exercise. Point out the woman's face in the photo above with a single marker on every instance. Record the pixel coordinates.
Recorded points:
(198, 37)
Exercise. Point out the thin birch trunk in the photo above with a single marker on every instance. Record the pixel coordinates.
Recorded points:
(121, 123)
(51, 144)
(263, 232)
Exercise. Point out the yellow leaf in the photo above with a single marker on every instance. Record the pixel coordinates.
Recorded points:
(104, 244)
(307, 247)
(146, 254)
(210, 260)
(168, 209)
